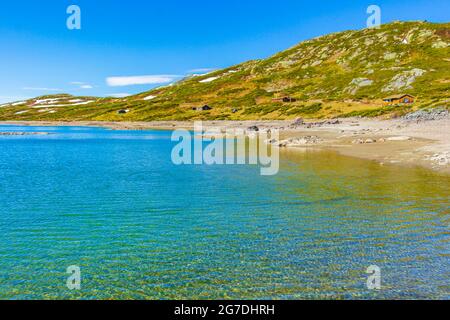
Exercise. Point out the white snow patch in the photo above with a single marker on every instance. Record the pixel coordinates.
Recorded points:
(47, 110)
(209, 80)
(46, 101)
(18, 103)
(63, 105)
(149, 98)
(22, 112)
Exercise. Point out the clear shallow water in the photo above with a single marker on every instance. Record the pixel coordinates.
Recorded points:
(139, 227)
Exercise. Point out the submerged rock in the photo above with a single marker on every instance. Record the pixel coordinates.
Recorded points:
(296, 142)
(23, 133)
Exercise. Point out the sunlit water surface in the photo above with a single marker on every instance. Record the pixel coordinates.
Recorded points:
(140, 227)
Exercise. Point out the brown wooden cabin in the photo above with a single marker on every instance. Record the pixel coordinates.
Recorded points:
(204, 108)
(399, 99)
(284, 99)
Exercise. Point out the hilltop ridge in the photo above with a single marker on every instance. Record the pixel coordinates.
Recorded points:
(337, 75)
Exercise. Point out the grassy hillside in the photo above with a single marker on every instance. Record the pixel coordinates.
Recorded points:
(341, 74)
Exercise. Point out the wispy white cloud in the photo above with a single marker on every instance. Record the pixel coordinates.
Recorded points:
(42, 89)
(82, 85)
(202, 70)
(140, 80)
(119, 95)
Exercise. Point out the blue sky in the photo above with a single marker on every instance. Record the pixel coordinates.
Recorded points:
(156, 41)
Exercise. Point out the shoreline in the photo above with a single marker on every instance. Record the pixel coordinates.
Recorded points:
(398, 141)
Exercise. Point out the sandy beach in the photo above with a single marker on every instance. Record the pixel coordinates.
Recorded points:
(389, 142)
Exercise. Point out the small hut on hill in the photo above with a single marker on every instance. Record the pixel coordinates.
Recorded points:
(399, 99)
(285, 99)
(204, 108)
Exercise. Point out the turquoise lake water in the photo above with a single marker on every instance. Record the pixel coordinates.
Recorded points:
(139, 227)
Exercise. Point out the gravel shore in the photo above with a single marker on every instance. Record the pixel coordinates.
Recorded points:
(416, 140)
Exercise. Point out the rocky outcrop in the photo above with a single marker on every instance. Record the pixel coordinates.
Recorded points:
(439, 45)
(441, 159)
(253, 129)
(381, 140)
(299, 122)
(428, 115)
(404, 80)
(296, 142)
(358, 83)
(390, 56)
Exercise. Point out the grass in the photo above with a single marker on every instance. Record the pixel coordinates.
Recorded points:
(317, 73)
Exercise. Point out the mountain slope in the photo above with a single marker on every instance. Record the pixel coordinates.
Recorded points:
(341, 74)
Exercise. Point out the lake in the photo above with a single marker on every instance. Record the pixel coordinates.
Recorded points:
(140, 227)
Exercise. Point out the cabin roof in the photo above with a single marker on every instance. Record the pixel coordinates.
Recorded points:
(398, 96)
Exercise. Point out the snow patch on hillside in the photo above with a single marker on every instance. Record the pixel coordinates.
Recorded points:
(62, 105)
(18, 103)
(211, 79)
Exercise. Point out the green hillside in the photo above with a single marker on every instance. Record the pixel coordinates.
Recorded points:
(341, 74)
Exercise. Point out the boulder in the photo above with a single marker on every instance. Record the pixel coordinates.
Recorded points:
(428, 115)
(253, 129)
(298, 122)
